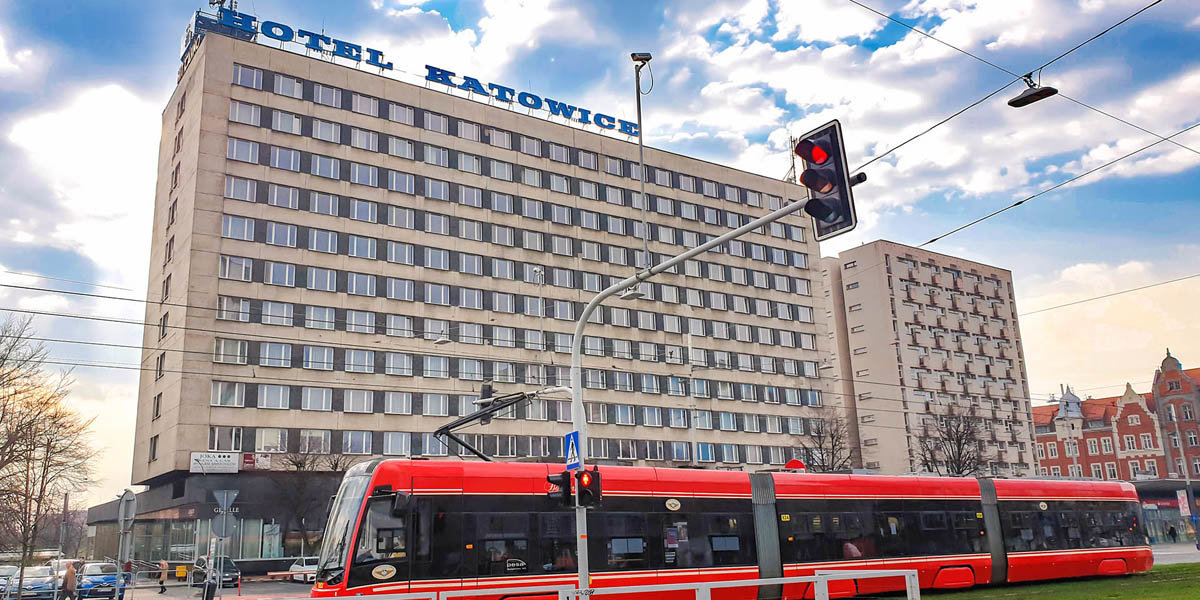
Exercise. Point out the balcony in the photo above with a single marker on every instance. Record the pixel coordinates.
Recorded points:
(928, 381)
(974, 387)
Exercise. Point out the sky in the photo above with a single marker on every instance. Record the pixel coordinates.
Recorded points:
(83, 85)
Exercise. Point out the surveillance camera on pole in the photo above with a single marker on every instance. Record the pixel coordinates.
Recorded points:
(828, 180)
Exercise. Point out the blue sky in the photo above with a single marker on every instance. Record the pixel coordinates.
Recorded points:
(83, 84)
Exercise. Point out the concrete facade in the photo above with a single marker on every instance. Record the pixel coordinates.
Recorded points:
(289, 322)
(918, 334)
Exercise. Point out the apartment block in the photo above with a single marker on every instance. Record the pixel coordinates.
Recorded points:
(918, 335)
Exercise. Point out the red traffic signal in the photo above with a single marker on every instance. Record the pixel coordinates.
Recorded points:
(589, 487)
(812, 152)
(828, 180)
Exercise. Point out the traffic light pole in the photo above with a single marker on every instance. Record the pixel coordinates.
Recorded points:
(577, 413)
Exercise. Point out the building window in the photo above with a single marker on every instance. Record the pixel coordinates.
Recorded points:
(329, 96)
(400, 114)
(224, 439)
(356, 442)
(435, 405)
(364, 104)
(285, 122)
(235, 352)
(289, 86)
(226, 393)
(436, 122)
(358, 401)
(396, 443)
(324, 166)
(318, 357)
(273, 396)
(247, 76)
(314, 398)
(314, 441)
(1135, 420)
(274, 354)
(248, 114)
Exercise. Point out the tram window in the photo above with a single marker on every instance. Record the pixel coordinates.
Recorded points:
(623, 536)
(556, 533)
(624, 551)
(437, 532)
(503, 543)
(388, 541)
(729, 539)
(677, 544)
(381, 535)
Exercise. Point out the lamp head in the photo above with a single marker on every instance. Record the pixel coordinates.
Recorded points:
(642, 57)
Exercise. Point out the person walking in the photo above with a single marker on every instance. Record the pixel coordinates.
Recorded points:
(69, 583)
(163, 567)
(1173, 534)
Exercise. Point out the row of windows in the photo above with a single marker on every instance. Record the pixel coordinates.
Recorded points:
(397, 181)
(356, 321)
(407, 290)
(431, 121)
(454, 159)
(447, 225)
(283, 397)
(273, 440)
(441, 259)
(324, 358)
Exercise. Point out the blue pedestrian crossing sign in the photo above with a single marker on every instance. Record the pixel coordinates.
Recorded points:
(571, 450)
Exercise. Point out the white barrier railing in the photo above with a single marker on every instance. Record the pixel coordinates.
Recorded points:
(703, 590)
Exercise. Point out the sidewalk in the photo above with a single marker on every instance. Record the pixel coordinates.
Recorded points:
(1182, 552)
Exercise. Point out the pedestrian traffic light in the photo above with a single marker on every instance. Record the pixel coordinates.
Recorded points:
(589, 487)
(560, 488)
(828, 180)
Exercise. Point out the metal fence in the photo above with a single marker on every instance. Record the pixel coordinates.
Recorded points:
(820, 581)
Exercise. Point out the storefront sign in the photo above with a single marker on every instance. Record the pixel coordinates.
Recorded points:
(213, 462)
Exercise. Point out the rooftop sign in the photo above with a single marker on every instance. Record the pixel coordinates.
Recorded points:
(529, 100)
(245, 26)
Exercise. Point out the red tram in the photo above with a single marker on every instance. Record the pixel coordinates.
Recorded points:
(401, 526)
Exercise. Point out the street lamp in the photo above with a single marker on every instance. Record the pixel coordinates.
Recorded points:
(1033, 94)
(577, 414)
(641, 59)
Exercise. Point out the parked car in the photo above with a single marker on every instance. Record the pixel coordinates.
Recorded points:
(230, 574)
(59, 566)
(101, 580)
(38, 584)
(6, 571)
(304, 570)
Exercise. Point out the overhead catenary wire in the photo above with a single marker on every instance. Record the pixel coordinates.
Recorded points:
(1057, 185)
(1017, 77)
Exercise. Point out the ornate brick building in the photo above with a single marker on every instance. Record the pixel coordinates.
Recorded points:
(1132, 436)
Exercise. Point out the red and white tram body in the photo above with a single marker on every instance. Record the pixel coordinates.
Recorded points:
(400, 526)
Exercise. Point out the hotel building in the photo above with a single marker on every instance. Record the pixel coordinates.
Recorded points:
(341, 259)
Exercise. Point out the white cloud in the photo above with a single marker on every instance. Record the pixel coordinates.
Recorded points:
(103, 179)
(507, 30)
(823, 21)
(1109, 341)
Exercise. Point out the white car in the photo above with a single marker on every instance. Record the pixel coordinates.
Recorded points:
(304, 570)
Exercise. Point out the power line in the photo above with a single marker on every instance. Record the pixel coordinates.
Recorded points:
(99, 285)
(1017, 77)
(1058, 185)
(1110, 295)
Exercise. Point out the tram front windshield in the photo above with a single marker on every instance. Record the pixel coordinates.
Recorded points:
(342, 518)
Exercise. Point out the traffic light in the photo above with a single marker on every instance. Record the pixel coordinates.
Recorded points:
(827, 178)
(589, 487)
(563, 483)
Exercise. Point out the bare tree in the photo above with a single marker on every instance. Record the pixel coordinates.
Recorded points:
(953, 445)
(300, 493)
(44, 446)
(339, 463)
(829, 445)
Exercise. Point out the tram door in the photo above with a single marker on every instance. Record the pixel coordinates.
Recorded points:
(441, 557)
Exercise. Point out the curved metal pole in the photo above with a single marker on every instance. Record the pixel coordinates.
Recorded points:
(577, 414)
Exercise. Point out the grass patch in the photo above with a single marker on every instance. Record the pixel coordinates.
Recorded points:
(1166, 582)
